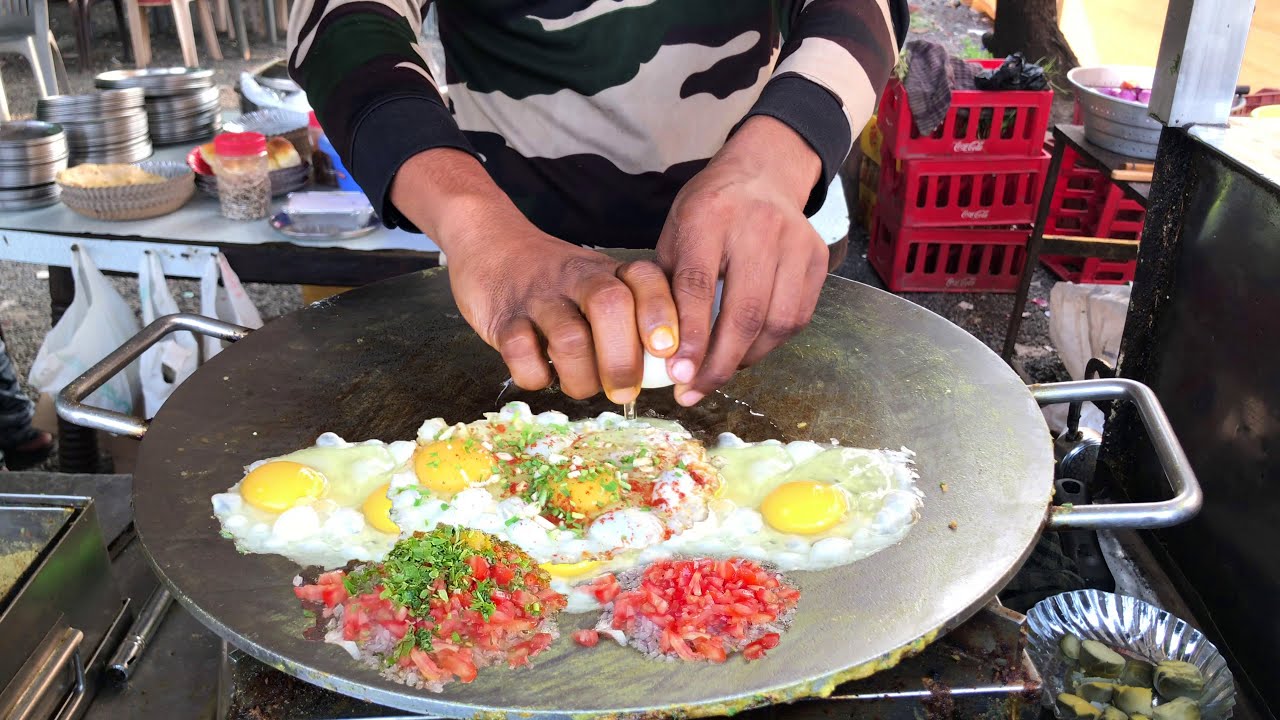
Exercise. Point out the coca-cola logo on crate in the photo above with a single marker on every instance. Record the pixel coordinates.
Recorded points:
(975, 214)
(972, 146)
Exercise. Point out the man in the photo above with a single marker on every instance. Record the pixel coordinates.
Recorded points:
(704, 128)
(21, 445)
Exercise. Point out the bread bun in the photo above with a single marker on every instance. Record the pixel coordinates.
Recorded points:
(281, 154)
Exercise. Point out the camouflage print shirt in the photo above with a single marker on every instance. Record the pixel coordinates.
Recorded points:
(590, 114)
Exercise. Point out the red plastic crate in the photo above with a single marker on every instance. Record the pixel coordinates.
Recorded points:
(962, 191)
(935, 259)
(1090, 270)
(979, 122)
(1119, 218)
(1077, 197)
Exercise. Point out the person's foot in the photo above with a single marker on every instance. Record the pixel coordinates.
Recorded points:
(30, 453)
(40, 443)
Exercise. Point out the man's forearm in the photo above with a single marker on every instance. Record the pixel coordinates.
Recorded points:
(449, 196)
(770, 148)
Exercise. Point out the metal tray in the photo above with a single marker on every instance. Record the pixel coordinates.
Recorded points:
(63, 606)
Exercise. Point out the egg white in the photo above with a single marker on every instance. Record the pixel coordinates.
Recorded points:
(327, 531)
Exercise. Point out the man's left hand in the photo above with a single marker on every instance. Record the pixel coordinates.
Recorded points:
(742, 219)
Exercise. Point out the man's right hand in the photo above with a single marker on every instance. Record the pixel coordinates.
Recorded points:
(532, 297)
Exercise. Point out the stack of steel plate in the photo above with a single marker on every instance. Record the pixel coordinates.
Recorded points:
(101, 127)
(31, 155)
(182, 103)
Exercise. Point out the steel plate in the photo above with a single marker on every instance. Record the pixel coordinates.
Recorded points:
(872, 369)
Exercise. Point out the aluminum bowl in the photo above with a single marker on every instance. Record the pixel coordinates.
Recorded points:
(1131, 627)
(1121, 126)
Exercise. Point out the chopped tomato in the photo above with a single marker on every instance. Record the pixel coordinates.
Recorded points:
(703, 607)
(586, 638)
(458, 663)
(503, 574)
(605, 588)
(479, 568)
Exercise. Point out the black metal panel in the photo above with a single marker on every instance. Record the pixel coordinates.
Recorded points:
(1203, 331)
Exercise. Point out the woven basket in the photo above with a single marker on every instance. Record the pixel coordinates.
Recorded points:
(135, 202)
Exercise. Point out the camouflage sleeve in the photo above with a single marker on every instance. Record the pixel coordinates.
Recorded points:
(367, 78)
(835, 60)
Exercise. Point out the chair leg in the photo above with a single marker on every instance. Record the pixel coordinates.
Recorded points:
(269, 13)
(122, 26)
(208, 30)
(237, 17)
(282, 16)
(80, 14)
(33, 55)
(222, 14)
(138, 33)
(186, 33)
(4, 103)
(59, 67)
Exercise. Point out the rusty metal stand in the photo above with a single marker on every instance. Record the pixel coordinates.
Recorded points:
(1039, 243)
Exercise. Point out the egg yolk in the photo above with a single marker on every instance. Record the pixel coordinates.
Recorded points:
(804, 507)
(377, 511)
(594, 491)
(278, 486)
(564, 571)
(447, 467)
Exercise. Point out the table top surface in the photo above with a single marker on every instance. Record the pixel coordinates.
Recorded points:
(196, 222)
(1074, 134)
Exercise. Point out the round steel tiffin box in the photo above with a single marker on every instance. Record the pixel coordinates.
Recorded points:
(29, 134)
(128, 154)
(89, 103)
(1133, 628)
(872, 369)
(35, 192)
(31, 175)
(158, 82)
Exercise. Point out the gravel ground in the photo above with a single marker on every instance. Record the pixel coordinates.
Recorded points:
(24, 299)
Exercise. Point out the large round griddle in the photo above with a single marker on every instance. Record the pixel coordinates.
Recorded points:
(872, 370)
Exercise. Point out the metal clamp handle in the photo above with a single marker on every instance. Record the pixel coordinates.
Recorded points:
(51, 659)
(1187, 498)
(70, 402)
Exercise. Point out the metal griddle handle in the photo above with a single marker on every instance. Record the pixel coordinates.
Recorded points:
(1187, 496)
(70, 402)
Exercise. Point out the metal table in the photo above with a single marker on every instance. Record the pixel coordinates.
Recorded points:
(1071, 136)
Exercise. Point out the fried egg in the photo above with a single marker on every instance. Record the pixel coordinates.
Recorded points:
(323, 505)
(580, 497)
(804, 505)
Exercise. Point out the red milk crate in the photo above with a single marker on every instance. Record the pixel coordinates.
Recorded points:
(1077, 197)
(935, 259)
(962, 191)
(979, 122)
(1119, 218)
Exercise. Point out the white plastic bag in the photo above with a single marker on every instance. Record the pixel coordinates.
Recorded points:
(226, 301)
(167, 363)
(97, 322)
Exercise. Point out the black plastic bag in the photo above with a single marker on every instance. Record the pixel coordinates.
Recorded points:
(1014, 74)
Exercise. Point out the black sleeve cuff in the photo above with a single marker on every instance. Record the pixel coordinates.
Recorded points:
(390, 133)
(817, 116)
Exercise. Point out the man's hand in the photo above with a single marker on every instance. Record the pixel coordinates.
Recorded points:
(531, 296)
(742, 218)
(538, 297)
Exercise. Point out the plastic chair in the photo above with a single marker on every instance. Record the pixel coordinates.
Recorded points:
(140, 30)
(24, 30)
(80, 10)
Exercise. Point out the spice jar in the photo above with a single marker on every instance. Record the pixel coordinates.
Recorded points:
(244, 183)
